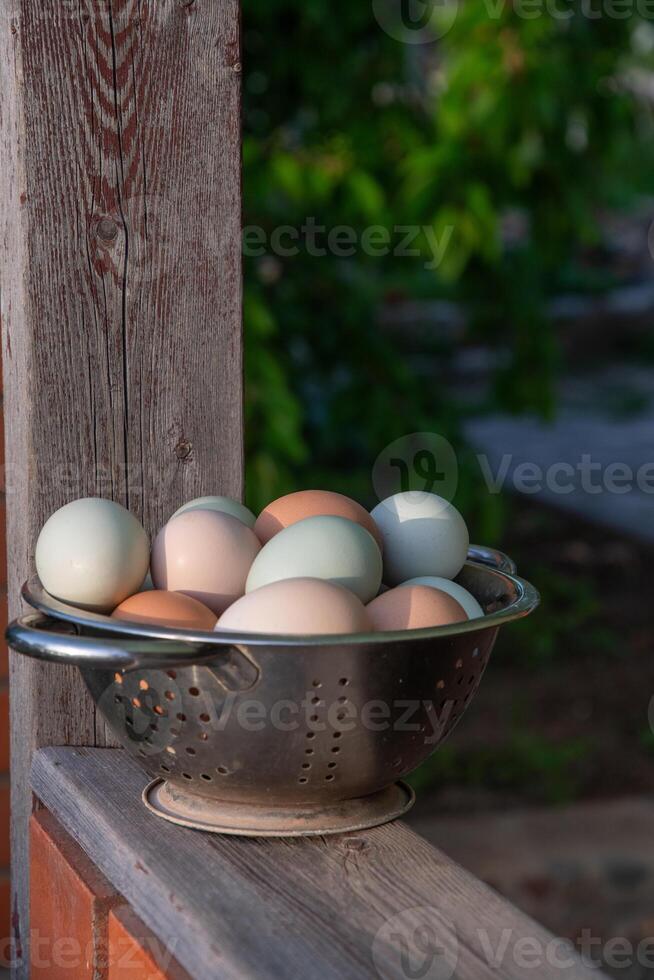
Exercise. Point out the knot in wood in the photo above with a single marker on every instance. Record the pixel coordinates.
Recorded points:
(107, 230)
(183, 449)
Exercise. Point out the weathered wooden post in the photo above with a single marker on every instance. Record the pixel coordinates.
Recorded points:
(121, 293)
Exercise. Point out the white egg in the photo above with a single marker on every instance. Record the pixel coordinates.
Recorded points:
(465, 599)
(224, 504)
(423, 535)
(330, 548)
(92, 553)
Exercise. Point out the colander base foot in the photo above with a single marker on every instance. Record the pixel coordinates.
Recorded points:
(256, 820)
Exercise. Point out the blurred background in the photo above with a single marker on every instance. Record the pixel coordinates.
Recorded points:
(513, 145)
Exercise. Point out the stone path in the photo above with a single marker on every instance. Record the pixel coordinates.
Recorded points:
(596, 460)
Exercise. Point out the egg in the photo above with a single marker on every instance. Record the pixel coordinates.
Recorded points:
(92, 553)
(423, 535)
(331, 548)
(470, 605)
(414, 607)
(166, 609)
(296, 507)
(303, 606)
(224, 505)
(205, 554)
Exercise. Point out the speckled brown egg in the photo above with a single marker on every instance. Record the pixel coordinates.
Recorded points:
(166, 609)
(414, 607)
(311, 503)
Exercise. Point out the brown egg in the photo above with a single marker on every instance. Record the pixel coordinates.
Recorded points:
(205, 554)
(414, 607)
(311, 503)
(166, 609)
(302, 606)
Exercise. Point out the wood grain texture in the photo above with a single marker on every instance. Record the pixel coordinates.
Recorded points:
(120, 289)
(324, 908)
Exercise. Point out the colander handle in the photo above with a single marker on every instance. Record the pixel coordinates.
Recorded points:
(38, 636)
(490, 556)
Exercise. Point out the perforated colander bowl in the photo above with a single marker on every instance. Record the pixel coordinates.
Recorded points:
(276, 735)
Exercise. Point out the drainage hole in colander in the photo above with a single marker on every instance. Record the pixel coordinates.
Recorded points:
(459, 664)
(136, 702)
(118, 699)
(308, 751)
(172, 674)
(316, 683)
(316, 701)
(471, 680)
(440, 686)
(203, 737)
(331, 765)
(342, 700)
(306, 765)
(337, 734)
(311, 734)
(175, 731)
(169, 695)
(206, 777)
(341, 716)
(336, 749)
(154, 727)
(343, 682)
(128, 721)
(164, 768)
(144, 685)
(205, 717)
(158, 710)
(476, 653)
(314, 718)
(222, 770)
(194, 692)
(187, 776)
(190, 750)
(460, 680)
(180, 716)
(118, 678)
(170, 749)
(303, 779)
(328, 779)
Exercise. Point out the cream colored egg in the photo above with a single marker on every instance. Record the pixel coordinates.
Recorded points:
(462, 596)
(224, 505)
(92, 553)
(423, 535)
(300, 606)
(331, 548)
(206, 554)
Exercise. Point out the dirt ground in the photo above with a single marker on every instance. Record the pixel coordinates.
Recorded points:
(562, 714)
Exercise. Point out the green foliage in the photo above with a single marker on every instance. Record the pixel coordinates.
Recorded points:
(506, 135)
(527, 764)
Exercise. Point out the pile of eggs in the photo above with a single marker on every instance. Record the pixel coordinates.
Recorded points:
(313, 562)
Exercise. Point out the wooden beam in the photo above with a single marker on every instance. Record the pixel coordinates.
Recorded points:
(120, 289)
(366, 905)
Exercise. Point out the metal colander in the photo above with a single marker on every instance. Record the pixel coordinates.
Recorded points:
(279, 735)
